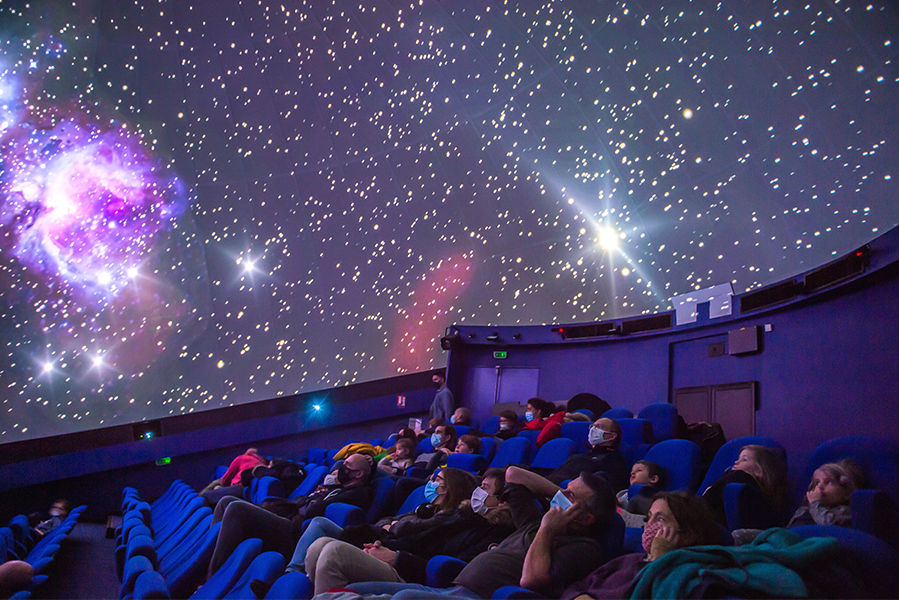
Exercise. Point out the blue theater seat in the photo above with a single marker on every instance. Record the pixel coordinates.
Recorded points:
(618, 413)
(268, 566)
(664, 420)
(383, 499)
(514, 451)
(290, 586)
(681, 460)
(488, 448)
(230, 573)
(473, 463)
(491, 425)
(554, 453)
(577, 432)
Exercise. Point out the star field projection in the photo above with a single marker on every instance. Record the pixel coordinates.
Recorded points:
(208, 203)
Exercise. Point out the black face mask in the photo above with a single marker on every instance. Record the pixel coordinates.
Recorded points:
(343, 474)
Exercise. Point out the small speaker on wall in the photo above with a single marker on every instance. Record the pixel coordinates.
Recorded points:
(743, 341)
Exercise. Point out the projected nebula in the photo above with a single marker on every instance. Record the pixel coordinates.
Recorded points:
(205, 203)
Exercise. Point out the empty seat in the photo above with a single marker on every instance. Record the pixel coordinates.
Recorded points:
(680, 459)
(554, 453)
(618, 413)
(663, 417)
(514, 451)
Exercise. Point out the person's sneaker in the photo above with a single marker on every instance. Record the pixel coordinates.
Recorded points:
(260, 588)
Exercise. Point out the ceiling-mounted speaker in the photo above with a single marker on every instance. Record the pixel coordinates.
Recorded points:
(645, 324)
(769, 296)
(838, 271)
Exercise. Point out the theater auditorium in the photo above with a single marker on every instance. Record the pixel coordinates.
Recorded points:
(440, 298)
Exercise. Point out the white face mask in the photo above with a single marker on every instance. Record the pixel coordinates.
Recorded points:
(478, 497)
(596, 435)
(504, 426)
(330, 479)
(561, 500)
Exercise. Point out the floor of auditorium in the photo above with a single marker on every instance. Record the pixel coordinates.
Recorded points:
(84, 567)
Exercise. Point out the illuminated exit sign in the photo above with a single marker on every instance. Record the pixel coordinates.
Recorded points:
(500, 354)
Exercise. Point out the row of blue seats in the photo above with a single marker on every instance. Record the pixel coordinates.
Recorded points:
(877, 457)
(18, 541)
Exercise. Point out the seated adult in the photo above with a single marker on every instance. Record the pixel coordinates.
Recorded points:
(55, 516)
(542, 416)
(547, 553)
(289, 473)
(468, 444)
(603, 457)
(508, 425)
(279, 523)
(761, 468)
(444, 441)
(229, 483)
(462, 533)
(462, 416)
(676, 520)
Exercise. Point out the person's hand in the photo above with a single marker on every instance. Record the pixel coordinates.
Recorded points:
(383, 554)
(446, 451)
(813, 495)
(387, 526)
(556, 520)
(667, 539)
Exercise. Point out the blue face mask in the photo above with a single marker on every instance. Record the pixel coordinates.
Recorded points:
(431, 491)
(453, 419)
(560, 500)
(529, 416)
(436, 439)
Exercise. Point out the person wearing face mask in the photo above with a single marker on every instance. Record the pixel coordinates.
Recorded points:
(676, 520)
(542, 416)
(443, 405)
(604, 458)
(508, 425)
(444, 440)
(401, 554)
(278, 523)
(546, 553)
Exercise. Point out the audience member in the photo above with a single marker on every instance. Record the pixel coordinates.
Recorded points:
(469, 444)
(401, 556)
(462, 417)
(827, 500)
(57, 514)
(229, 484)
(443, 405)
(676, 520)
(759, 467)
(647, 474)
(547, 553)
(15, 576)
(604, 438)
(279, 523)
(400, 459)
(542, 416)
(444, 441)
(508, 425)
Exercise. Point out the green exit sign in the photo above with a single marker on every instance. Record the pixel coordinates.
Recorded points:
(163, 461)
(500, 354)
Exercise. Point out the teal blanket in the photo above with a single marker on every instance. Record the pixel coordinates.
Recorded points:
(769, 565)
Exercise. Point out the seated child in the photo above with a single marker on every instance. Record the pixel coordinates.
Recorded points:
(468, 444)
(400, 459)
(761, 468)
(827, 500)
(652, 477)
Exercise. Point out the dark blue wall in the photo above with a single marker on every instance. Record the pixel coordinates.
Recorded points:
(96, 477)
(828, 368)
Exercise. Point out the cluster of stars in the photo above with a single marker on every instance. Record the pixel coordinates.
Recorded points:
(206, 204)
